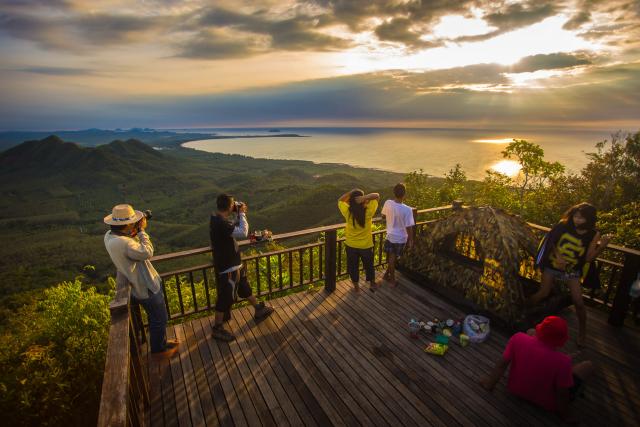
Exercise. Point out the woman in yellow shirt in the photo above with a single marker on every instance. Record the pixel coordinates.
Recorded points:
(358, 210)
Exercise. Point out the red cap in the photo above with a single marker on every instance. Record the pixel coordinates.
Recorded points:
(553, 331)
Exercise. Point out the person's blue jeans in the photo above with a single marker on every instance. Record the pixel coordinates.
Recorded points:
(157, 316)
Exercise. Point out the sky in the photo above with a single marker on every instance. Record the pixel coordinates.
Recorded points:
(76, 64)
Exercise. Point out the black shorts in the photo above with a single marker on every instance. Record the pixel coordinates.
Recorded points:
(229, 290)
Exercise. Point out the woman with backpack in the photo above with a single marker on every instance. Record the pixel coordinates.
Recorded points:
(567, 250)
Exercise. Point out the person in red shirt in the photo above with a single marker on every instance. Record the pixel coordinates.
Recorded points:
(539, 372)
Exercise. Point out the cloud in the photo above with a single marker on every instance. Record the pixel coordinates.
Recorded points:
(79, 32)
(58, 71)
(215, 44)
(298, 32)
(549, 62)
(512, 17)
(399, 30)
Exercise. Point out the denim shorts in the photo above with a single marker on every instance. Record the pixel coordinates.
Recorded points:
(394, 248)
(562, 275)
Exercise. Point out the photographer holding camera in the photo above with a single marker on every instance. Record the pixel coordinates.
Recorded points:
(231, 276)
(130, 249)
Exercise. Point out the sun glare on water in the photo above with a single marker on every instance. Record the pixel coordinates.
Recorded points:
(494, 141)
(510, 168)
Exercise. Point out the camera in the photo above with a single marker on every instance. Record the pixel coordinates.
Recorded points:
(148, 214)
(237, 206)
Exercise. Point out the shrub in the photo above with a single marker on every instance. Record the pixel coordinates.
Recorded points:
(52, 358)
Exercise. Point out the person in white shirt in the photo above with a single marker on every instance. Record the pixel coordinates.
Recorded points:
(130, 249)
(400, 222)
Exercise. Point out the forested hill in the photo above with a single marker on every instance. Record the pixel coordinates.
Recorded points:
(54, 194)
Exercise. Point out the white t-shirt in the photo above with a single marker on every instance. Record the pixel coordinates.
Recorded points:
(399, 216)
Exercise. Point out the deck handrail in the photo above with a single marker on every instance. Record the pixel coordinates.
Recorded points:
(283, 236)
(124, 391)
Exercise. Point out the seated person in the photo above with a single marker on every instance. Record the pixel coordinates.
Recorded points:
(539, 372)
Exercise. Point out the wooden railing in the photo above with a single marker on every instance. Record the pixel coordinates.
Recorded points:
(191, 290)
(125, 393)
(321, 261)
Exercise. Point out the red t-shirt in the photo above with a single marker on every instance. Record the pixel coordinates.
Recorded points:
(537, 370)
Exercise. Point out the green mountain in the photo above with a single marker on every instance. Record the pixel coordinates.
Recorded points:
(95, 137)
(54, 194)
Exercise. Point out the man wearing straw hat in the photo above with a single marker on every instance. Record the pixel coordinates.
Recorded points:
(130, 250)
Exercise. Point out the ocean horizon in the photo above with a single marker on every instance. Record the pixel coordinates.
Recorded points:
(433, 150)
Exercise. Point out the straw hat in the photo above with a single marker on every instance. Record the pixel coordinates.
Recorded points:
(123, 215)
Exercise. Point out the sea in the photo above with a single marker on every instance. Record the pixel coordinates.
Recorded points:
(434, 151)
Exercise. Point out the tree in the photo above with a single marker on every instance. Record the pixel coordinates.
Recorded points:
(611, 177)
(454, 185)
(536, 172)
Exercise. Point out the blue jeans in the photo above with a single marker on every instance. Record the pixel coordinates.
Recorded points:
(157, 315)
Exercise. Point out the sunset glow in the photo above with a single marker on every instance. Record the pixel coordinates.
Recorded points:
(394, 62)
(507, 167)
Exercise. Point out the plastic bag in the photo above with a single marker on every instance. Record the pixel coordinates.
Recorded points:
(476, 327)
(437, 349)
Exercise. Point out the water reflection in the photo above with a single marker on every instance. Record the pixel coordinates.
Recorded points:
(510, 168)
(435, 151)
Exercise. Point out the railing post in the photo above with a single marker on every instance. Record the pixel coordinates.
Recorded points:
(330, 241)
(456, 205)
(414, 229)
(622, 299)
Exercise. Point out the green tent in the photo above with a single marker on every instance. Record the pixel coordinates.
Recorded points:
(485, 255)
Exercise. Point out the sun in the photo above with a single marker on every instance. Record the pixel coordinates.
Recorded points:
(509, 168)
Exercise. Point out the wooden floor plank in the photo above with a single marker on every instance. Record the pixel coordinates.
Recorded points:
(200, 376)
(342, 359)
(295, 324)
(464, 366)
(277, 347)
(189, 376)
(254, 393)
(438, 384)
(155, 410)
(589, 410)
(288, 397)
(230, 395)
(309, 375)
(235, 377)
(259, 371)
(179, 389)
(215, 387)
(388, 387)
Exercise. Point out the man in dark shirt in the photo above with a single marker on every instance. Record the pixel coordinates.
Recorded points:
(231, 280)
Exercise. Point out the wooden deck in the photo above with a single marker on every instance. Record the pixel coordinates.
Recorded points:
(346, 359)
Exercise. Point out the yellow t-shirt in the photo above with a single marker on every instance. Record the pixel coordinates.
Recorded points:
(356, 236)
